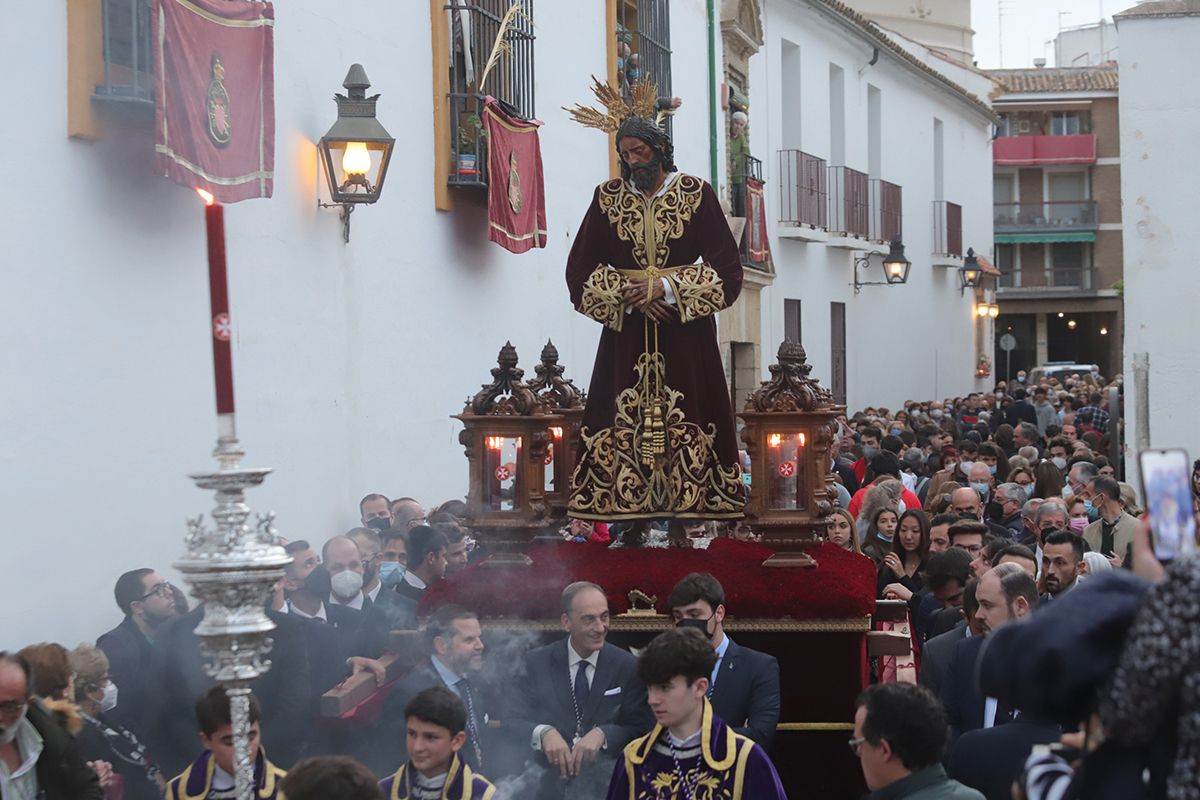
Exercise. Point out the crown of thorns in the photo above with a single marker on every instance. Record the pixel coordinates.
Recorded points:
(644, 102)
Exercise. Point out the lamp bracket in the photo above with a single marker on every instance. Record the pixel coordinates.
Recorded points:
(863, 261)
(347, 209)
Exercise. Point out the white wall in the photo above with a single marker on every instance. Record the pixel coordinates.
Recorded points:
(915, 341)
(348, 359)
(1159, 117)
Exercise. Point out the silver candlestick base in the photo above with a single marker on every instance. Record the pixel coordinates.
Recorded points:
(233, 568)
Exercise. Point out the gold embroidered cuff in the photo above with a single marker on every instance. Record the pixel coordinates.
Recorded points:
(602, 297)
(698, 291)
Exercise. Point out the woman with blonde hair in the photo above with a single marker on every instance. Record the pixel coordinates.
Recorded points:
(842, 532)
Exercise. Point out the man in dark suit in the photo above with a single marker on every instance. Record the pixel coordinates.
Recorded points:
(395, 607)
(1004, 593)
(744, 688)
(990, 759)
(1020, 410)
(454, 639)
(147, 602)
(935, 653)
(579, 701)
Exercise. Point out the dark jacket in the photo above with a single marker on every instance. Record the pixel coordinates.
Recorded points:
(935, 657)
(961, 696)
(746, 694)
(62, 773)
(990, 759)
(930, 783)
(616, 703)
(1020, 411)
(129, 653)
(395, 608)
(422, 677)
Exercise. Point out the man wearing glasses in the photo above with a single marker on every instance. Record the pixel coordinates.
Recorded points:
(147, 600)
(899, 738)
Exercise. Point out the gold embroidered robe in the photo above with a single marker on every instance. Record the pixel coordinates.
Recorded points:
(658, 432)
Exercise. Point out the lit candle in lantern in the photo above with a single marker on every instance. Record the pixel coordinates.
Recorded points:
(218, 294)
(495, 442)
(775, 439)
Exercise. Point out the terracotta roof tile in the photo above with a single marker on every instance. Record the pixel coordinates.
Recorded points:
(1162, 8)
(1056, 79)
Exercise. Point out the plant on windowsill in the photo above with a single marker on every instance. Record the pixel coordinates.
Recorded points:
(470, 129)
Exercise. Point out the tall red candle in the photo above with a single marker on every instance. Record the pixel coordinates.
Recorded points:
(218, 293)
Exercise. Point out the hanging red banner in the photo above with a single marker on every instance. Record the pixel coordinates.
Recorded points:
(214, 110)
(757, 246)
(516, 196)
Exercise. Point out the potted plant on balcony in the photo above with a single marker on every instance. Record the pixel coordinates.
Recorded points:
(470, 129)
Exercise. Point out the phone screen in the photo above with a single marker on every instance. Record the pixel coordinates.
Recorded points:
(1167, 487)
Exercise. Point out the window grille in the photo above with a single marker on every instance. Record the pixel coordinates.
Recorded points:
(644, 47)
(128, 53)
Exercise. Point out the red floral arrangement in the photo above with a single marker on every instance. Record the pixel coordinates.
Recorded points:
(841, 586)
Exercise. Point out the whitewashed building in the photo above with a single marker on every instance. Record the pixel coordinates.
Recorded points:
(1159, 115)
(350, 358)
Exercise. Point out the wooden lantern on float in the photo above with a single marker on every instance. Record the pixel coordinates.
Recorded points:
(789, 431)
(506, 435)
(564, 403)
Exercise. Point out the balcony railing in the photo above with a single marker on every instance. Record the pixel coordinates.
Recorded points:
(947, 229)
(1055, 279)
(886, 211)
(803, 190)
(1073, 215)
(753, 168)
(1027, 151)
(849, 203)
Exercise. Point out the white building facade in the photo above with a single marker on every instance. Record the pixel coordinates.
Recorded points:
(1159, 114)
(830, 94)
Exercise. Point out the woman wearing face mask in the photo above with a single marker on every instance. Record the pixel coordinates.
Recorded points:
(841, 531)
(1078, 510)
(101, 738)
(905, 564)
(881, 535)
(997, 462)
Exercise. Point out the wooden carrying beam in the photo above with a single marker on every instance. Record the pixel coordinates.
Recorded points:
(354, 690)
(888, 643)
(891, 611)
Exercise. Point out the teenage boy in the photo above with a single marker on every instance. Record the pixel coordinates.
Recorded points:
(437, 721)
(211, 775)
(690, 747)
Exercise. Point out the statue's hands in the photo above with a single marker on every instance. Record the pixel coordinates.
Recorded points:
(659, 310)
(634, 293)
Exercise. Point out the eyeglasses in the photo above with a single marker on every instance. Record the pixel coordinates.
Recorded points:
(12, 706)
(161, 589)
(856, 745)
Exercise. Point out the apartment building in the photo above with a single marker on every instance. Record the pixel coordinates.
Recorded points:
(1057, 215)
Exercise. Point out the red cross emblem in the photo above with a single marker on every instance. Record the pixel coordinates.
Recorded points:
(550, 455)
(787, 469)
(222, 327)
(502, 474)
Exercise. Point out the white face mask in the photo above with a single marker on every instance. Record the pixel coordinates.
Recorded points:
(8, 733)
(346, 584)
(109, 701)
(1059, 462)
(965, 466)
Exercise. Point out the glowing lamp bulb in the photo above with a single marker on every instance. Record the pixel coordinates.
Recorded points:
(982, 309)
(775, 439)
(356, 160)
(994, 311)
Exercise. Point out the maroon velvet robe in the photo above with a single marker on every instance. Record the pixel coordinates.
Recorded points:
(672, 370)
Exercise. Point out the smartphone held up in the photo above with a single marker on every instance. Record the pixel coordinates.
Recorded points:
(1167, 489)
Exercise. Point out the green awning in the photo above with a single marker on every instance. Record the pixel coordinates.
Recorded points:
(1043, 238)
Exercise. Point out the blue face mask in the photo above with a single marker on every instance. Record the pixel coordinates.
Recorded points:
(982, 488)
(391, 573)
(1092, 513)
(992, 469)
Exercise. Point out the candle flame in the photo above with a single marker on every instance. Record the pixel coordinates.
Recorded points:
(205, 196)
(495, 442)
(803, 440)
(557, 431)
(775, 439)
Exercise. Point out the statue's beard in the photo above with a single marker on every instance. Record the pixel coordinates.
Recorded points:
(645, 176)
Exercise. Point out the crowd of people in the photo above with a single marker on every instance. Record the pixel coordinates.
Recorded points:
(977, 513)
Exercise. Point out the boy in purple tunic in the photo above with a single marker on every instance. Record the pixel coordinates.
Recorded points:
(210, 777)
(437, 729)
(691, 753)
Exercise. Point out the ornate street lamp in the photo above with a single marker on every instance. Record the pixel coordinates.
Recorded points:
(789, 430)
(564, 402)
(895, 267)
(356, 150)
(969, 272)
(506, 433)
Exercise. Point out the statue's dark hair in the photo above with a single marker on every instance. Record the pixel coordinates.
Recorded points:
(651, 134)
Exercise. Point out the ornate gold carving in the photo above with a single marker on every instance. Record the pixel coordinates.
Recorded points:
(611, 480)
(698, 291)
(660, 622)
(602, 297)
(649, 225)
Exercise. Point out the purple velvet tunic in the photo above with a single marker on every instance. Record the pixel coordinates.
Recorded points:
(462, 783)
(724, 766)
(658, 432)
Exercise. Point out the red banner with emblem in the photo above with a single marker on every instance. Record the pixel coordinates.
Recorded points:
(757, 246)
(214, 110)
(516, 196)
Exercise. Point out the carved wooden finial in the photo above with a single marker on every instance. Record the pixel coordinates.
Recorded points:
(552, 389)
(790, 388)
(507, 395)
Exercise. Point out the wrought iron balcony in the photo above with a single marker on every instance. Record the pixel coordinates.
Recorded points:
(803, 190)
(1056, 281)
(947, 229)
(887, 202)
(849, 203)
(1072, 215)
